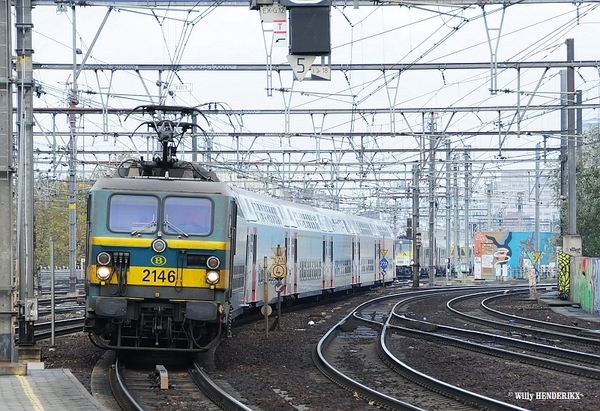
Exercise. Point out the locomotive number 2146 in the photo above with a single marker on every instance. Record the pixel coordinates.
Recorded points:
(159, 276)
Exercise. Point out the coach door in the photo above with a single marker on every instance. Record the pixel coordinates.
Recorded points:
(327, 263)
(354, 262)
(330, 265)
(294, 254)
(360, 262)
(232, 246)
(377, 261)
(251, 268)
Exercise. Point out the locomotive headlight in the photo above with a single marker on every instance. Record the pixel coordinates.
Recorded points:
(103, 258)
(212, 277)
(213, 262)
(103, 273)
(159, 245)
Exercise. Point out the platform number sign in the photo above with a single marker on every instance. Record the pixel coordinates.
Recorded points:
(300, 65)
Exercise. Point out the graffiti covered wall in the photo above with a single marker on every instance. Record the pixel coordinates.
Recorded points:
(564, 274)
(585, 283)
(502, 254)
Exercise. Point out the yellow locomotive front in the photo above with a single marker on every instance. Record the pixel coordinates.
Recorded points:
(160, 255)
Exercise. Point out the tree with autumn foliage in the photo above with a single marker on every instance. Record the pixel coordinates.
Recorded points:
(588, 194)
(51, 219)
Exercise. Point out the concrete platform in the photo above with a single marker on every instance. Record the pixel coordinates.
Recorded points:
(566, 307)
(45, 390)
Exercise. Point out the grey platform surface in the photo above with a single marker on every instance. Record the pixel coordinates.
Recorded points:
(576, 313)
(566, 307)
(45, 390)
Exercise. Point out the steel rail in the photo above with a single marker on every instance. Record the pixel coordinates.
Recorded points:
(516, 328)
(488, 338)
(63, 327)
(217, 395)
(466, 342)
(468, 397)
(120, 391)
(434, 384)
(347, 383)
(378, 398)
(529, 321)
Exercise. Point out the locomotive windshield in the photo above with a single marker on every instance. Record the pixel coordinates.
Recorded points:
(187, 216)
(180, 215)
(132, 213)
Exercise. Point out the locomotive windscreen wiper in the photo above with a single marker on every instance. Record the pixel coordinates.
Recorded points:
(174, 227)
(144, 227)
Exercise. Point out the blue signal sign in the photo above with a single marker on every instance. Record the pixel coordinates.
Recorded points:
(383, 263)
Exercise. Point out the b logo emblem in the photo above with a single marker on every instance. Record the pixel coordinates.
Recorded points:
(158, 260)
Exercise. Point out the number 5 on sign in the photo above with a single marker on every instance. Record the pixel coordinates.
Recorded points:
(300, 65)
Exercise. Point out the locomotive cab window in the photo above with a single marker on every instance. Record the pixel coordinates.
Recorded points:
(187, 216)
(132, 213)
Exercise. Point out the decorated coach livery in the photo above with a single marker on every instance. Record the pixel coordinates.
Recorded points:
(174, 255)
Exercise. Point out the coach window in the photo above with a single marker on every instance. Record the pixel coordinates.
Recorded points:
(188, 216)
(132, 213)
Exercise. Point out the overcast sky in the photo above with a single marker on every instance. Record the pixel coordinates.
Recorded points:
(369, 35)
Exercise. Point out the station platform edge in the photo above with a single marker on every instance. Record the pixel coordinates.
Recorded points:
(31, 387)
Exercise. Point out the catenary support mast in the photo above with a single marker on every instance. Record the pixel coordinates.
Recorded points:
(7, 314)
(25, 222)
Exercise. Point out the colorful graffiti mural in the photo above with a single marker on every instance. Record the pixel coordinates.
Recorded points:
(585, 285)
(502, 254)
(564, 275)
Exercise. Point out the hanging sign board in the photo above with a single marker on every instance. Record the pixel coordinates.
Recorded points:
(572, 245)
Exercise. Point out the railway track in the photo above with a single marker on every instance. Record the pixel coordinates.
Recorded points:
(62, 305)
(376, 379)
(144, 389)
(594, 336)
(514, 349)
(384, 331)
(147, 388)
(517, 325)
(61, 327)
(385, 380)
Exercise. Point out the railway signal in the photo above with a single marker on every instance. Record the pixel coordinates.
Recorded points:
(279, 266)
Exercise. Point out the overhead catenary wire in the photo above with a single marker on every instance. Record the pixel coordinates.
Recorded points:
(358, 91)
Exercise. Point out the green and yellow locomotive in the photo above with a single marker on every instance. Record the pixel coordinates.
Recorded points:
(160, 239)
(174, 255)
